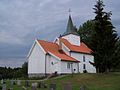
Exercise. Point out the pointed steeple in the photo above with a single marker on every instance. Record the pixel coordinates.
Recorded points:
(71, 29)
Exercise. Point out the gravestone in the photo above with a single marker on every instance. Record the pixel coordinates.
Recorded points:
(52, 87)
(34, 86)
(14, 82)
(11, 82)
(2, 81)
(42, 85)
(27, 83)
(67, 86)
(18, 82)
(4, 87)
(45, 85)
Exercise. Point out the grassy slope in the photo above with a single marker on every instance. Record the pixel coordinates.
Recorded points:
(91, 81)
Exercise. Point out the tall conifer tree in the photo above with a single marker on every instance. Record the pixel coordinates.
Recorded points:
(104, 39)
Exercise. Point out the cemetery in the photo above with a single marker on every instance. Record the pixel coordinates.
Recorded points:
(86, 81)
(82, 58)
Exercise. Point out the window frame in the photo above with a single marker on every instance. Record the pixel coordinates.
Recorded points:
(84, 66)
(68, 65)
(84, 58)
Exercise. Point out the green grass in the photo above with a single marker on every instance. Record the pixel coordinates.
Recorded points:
(109, 81)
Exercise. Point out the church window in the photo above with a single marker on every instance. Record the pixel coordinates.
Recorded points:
(52, 63)
(84, 58)
(84, 66)
(68, 65)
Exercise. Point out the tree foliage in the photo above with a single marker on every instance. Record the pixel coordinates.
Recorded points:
(104, 39)
(13, 73)
(86, 30)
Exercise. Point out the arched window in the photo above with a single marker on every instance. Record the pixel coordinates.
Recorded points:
(84, 66)
(83, 58)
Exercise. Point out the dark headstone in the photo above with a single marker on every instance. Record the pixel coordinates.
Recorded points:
(45, 85)
(67, 86)
(14, 82)
(52, 87)
(27, 83)
(42, 85)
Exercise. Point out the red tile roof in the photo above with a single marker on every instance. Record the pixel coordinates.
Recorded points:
(54, 49)
(81, 49)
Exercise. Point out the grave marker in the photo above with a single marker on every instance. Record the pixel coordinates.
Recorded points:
(4, 87)
(34, 86)
(18, 82)
(27, 83)
(11, 82)
(52, 87)
(2, 81)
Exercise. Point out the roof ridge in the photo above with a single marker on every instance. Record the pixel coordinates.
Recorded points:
(47, 41)
(83, 48)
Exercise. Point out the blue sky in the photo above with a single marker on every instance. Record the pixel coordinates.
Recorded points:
(22, 21)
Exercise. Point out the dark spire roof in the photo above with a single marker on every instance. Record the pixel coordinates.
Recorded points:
(71, 29)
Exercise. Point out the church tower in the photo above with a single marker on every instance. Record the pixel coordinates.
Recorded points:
(71, 33)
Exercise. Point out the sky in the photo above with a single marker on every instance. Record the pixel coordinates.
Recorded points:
(23, 21)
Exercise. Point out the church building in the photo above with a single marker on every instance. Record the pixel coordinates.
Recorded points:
(65, 55)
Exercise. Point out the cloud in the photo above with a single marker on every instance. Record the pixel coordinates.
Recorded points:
(22, 21)
(12, 62)
(9, 39)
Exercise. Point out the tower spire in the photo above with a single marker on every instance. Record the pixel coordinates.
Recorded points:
(71, 29)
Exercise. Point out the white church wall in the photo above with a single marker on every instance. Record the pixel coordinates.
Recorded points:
(53, 64)
(90, 67)
(65, 49)
(36, 61)
(66, 70)
(73, 39)
(79, 56)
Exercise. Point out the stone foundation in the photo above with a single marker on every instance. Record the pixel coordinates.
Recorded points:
(36, 75)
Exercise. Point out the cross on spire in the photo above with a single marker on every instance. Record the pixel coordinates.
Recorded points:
(69, 11)
(70, 26)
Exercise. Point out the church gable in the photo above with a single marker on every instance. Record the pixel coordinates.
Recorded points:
(73, 39)
(74, 48)
(55, 50)
(36, 59)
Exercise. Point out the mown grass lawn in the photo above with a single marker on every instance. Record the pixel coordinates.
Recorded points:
(109, 81)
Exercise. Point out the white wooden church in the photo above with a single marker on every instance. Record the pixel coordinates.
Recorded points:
(65, 55)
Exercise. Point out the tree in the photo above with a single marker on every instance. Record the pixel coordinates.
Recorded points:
(25, 68)
(103, 42)
(86, 30)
